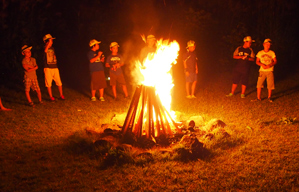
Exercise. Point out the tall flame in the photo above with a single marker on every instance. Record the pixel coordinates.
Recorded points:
(156, 70)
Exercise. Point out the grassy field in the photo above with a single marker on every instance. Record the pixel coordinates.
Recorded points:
(36, 153)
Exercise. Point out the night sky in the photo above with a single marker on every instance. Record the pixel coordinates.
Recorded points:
(218, 27)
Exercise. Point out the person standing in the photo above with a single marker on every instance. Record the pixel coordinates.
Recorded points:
(244, 55)
(51, 69)
(149, 48)
(30, 78)
(96, 60)
(115, 62)
(266, 59)
(190, 69)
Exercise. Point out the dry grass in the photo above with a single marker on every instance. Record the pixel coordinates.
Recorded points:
(262, 154)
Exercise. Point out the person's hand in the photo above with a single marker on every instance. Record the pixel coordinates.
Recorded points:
(102, 59)
(244, 57)
(100, 53)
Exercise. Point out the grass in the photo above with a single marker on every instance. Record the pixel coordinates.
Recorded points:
(46, 148)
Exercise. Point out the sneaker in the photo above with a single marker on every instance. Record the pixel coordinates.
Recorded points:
(93, 99)
(242, 96)
(189, 97)
(52, 99)
(230, 95)
(193, 97)
(62, 97)
(102, 99)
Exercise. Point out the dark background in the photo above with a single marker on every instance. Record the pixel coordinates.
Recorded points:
(218, 27)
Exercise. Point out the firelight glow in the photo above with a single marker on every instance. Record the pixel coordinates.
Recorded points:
(156, 70)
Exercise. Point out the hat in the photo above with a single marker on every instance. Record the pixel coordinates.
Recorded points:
(267, 41)
(93, 42)
(248, 38)
(151, 37)
(48, 36)
(114, 44)
(190, 44)
(25, 47)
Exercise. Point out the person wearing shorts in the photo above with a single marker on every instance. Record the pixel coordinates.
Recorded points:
(266, 59)
(191, 70)
(30, 78)
(96, 68)
(244, 55)
(50, 68)
(115, 62)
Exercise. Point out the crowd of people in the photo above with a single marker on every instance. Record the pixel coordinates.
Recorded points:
(244, 55)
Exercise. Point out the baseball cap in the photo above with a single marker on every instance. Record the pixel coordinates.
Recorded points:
(268, 41)
(151, 37)
(93, 42)
(25, 47)
(248, 38)
(48, 36)
(114, 44)
(190, 43)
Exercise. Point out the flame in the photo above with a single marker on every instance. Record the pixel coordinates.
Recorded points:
(156, 70)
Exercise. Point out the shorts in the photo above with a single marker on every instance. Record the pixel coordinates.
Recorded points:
(98, 80)
(117, 78)
(191, 78)
(270, 79)
(50, 75)
(33, 83)
(240, 77)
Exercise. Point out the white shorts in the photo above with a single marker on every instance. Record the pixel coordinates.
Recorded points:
(50, 75)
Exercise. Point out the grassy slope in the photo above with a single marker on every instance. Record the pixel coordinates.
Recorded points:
(34, 156)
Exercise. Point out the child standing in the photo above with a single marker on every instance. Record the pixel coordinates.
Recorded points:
(30, 78)
(96, 60)
(115, 62)
(266, 59)
(50, 69)
(191, 70)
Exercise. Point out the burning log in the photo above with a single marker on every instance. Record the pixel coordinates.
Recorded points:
(147, 116)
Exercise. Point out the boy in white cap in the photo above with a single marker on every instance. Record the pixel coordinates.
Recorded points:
(190, 69)
(266, 59)
(244, 55)
(115, 62)
(96, 60)
(51, 69)
(149, 48)
(30, 78)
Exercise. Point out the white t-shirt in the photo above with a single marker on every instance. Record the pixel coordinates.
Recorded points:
(266, 58)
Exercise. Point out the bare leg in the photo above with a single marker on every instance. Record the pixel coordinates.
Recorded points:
(114, 90)
(93, 93)
(125, 90)
(50, 91)
(101, 92)
(60, 90)
(269, 93)
(28, 96)
(243, 89)
(193, 87)
(39, 95)
(2, 107)
(188, 88)
(234, 87)
(259, 90)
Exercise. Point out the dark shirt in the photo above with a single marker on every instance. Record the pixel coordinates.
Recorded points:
(114, 59)
(97, 65)
(191, 61)
(243, 65)
(50, 60)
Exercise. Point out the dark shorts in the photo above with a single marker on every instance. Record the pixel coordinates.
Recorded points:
(98, 80)
(240, 77)
(117, 78)
(191, 78)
